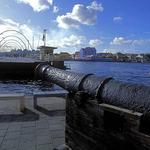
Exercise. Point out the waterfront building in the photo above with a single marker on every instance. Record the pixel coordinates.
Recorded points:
(121, 57)
(77, 55)
(87, 53)
(104, 55)
(62, 56)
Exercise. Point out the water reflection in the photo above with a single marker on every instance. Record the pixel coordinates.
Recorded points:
(27, 87)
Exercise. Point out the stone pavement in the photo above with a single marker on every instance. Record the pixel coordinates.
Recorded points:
(42, 129)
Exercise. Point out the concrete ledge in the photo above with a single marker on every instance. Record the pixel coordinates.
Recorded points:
(15, 96)
(61, 93)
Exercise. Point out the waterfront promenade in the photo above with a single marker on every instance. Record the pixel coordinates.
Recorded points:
(42, 129)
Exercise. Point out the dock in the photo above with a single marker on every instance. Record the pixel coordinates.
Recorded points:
(21, 68)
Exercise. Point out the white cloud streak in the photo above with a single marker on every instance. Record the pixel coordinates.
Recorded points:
(95, 42)
(123, 41)
(37, 5)
(120, 41)
(117, 19)
(55, 9)
(69, 41)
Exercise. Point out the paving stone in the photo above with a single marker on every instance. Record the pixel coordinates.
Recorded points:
(27, 143)
(43, 139)
(28, 130)
(2, 132)
(55, 122)
(42, 125)
(1, 139)
(42, 121)
(40, 132)
(58, 141)
(28, 124)
(12, 135)
(45, 147)
(27, 137)
(57, 134)
(9, 144)
(15, 123)
(27, 147)
(14, 127)
(56, 127)
(4, 126)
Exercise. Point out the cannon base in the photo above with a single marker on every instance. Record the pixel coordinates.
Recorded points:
(93, 126)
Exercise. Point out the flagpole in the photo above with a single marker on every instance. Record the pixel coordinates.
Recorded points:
(44, 37)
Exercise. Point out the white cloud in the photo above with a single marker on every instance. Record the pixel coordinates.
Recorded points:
(117, 19)
(9, 22)
(95, 42)
(37, 5)
(133, 42)
(73, 40)
(80, 14)
(120, 41)
(55, 9)
(67, 22)
(69, 41)
(141, 42)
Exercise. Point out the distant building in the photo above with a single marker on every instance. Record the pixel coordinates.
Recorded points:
(62, 56)
(88, 52)
(105, 55)
(77, 55)
(121, 57)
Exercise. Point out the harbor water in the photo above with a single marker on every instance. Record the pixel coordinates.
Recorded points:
(138, 73)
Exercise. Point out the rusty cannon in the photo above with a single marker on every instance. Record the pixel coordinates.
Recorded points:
(101, 112)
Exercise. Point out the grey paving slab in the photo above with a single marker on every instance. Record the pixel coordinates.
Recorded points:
(15, 127)
(27, 143)
(57, 134)
(43, 125)
(40, 132)
(2, 132)
(4, 126)
(58, 141)
(28, 130)
(9, 144)
(45, 147)
(1, 139)
(12, 135)
(27, 137)
(27, 147)
(56, 127)
(28, 124)
(43, 139)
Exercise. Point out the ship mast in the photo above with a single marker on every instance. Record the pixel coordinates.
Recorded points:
(44, 37)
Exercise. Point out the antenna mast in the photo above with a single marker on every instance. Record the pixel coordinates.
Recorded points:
(44, 37)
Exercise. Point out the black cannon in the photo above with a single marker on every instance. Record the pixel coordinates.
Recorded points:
(102, 113)
(104, 89)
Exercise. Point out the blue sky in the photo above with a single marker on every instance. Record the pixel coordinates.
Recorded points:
(108, 25)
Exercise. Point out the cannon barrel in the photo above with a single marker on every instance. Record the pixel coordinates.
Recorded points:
(104, 89)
